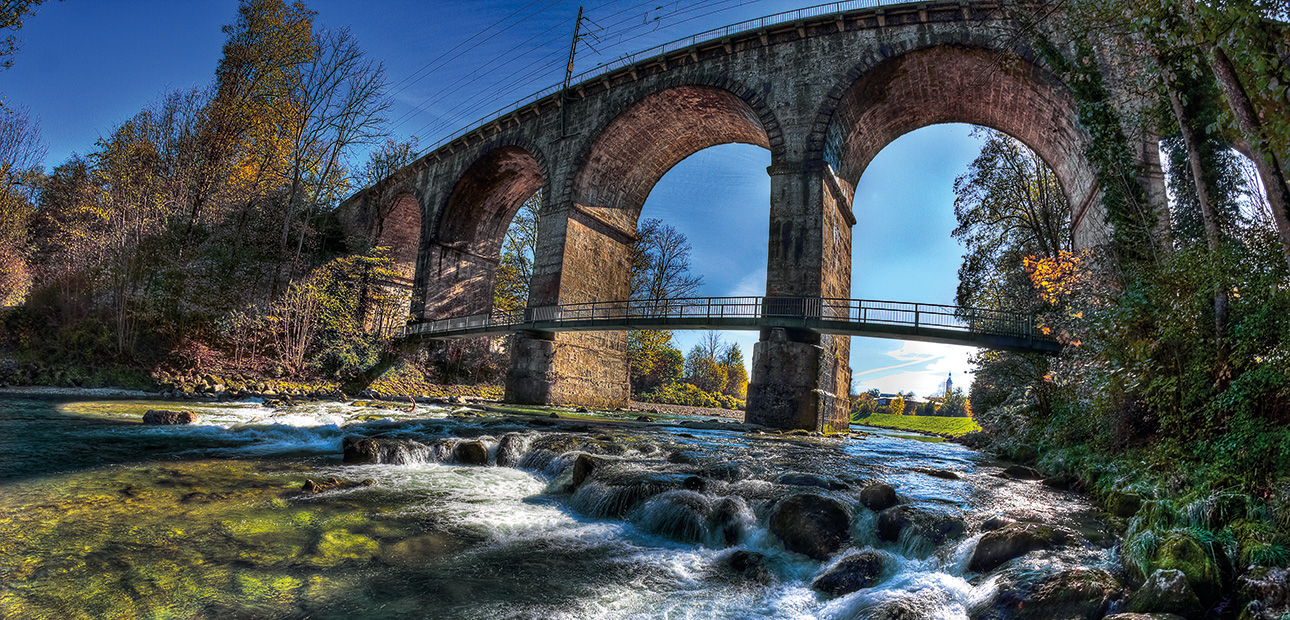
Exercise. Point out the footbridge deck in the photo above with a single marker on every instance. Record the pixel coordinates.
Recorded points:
(978, 327)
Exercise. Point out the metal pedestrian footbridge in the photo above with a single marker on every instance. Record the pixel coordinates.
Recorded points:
(977, 327)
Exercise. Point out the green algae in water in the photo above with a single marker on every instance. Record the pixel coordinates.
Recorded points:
(136, 408)
(183, 540)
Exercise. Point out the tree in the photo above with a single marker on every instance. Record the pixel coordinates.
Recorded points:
(897, 405)
(515, 269)
(655, 361)
(1009, 205)
(732, 362)
(12, 13)
(661, 263)
(21, 152)
(703, 371)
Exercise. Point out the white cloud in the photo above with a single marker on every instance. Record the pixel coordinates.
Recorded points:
(751, 285)
(931, 363)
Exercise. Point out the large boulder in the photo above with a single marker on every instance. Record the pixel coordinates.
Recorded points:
(1013, 541)
(166, 417)
(879, 496)
(812, 525)
(855, 572)
(1166, 591)
(1122, 504)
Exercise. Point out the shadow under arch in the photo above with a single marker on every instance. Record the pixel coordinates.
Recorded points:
(965, 84)
(463, 244)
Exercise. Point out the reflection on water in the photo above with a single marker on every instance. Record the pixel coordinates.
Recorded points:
(102, 517)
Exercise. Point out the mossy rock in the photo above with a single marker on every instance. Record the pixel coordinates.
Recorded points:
(1181, 551)
(1122, 504)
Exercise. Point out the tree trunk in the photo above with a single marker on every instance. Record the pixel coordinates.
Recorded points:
(1270, 167)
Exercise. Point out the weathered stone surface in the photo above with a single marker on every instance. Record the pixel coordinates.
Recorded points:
(855, 572)
(750, 566)
(812, 525)
(165, 417)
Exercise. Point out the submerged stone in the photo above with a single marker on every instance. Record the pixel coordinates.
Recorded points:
(750, 566)
(934, 525)
(166, 417)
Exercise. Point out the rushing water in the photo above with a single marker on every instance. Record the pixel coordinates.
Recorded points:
(103, 517)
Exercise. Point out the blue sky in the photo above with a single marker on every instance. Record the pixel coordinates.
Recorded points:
(84, 66)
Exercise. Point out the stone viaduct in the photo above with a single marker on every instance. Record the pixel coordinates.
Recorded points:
(824, 94)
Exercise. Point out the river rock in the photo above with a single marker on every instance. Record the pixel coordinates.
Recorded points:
(679, 515)
(855, 572)
(1065, 482)
(360, 450)
(812, 525)
(1166, 591)
(730, 518)
(1013, 541)
(750, 566)
(1266, 595)
(613, 491)
(1079, 594)
(936, 526)
(1021, 472)
(937, 473)
(1132, 616)
(879, 497)
(470, 453)
(582, 467)
(510, 449)
(168, 417)
(800, 479)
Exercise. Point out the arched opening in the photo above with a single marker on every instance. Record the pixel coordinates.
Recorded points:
(917, 109)
(463, 252)
(959, 84)
(623, 165)
(718, 201)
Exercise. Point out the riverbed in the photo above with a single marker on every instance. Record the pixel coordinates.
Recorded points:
(452, 512)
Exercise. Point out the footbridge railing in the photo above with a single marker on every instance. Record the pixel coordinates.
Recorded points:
(981, 327)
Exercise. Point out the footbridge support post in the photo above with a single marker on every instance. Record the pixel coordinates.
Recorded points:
(800, 379)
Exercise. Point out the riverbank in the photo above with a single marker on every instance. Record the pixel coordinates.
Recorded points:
(949, 428)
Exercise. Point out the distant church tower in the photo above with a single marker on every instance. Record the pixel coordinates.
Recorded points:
(949, 385)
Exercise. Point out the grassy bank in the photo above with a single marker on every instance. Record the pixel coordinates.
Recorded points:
(950, 427)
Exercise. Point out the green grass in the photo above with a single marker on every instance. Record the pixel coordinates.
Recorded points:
(952, 427)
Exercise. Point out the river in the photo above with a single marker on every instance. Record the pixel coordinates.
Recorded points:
(104, 517)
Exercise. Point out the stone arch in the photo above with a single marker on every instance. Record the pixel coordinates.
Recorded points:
(464, 235)
(646, 135)
(894, 91)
